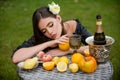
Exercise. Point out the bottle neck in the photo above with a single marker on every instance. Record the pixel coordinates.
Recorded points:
(99, 27)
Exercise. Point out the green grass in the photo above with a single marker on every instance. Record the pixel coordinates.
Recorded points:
(16, 26)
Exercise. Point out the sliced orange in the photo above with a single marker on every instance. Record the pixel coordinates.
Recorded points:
(61, 66)
(48, 65)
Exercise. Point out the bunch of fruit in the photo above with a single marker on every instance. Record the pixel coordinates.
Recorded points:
(33, 62)
(59, 62)
(44, 57)
(77, 62)
(86, 64)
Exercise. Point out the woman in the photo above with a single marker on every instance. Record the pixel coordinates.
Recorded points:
(49, 30)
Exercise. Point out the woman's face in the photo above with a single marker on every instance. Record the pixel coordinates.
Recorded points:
(51, 27)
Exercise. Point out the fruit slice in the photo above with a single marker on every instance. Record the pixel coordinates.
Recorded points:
(48, 65)
(73, 67)
(61, 66)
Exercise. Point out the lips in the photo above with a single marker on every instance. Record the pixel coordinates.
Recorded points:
(54, 36)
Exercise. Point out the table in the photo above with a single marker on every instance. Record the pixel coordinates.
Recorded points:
(104, 72)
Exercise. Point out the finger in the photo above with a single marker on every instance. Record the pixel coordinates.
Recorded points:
(64, 40)
(64, 37)
(61, 42)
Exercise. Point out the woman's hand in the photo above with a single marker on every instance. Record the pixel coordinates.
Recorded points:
(62, 39)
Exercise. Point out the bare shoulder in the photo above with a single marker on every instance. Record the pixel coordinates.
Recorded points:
(72, 25)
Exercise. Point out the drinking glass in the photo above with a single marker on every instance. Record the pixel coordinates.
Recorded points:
(75, 42)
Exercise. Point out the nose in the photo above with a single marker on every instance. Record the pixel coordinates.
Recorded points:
(49, 30)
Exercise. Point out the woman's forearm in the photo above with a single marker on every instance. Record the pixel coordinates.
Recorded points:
(25, 53)
(58, 52)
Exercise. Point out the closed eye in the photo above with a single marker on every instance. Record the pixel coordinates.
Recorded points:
(50, 24)
(43, 30)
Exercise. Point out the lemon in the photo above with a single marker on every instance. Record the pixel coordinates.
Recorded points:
(48, 65)
(64, 46)
(30, 63)
(76, 58)
(73, 67)
(55, 60)
(61, 66)
(63, 59)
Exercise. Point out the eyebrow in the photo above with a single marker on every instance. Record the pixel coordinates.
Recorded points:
(47, 25)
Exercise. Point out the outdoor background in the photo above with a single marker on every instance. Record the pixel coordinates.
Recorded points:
(16, 26)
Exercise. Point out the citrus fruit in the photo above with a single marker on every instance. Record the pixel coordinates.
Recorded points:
(73, 67)
(61, 66)
(86, 52)
(76, 58)
(55, 60)
(48, 65)
(63, 59)
(81, 64)
(64, 46)
(30, 63)
(89, 65)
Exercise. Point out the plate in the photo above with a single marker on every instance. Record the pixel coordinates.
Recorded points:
(20, 65)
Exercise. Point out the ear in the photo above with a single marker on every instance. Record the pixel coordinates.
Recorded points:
(58, 17)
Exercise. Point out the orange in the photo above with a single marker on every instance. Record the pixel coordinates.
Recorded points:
(73, 67)
(64, 46)
(81, 64)
(63, 59)
(76, 58)
(48, 65)
(61, 66)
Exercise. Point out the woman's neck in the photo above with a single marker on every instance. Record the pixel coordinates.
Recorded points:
(67, 28)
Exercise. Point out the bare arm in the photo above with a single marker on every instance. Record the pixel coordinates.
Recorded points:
(58, 52)
(25, 53)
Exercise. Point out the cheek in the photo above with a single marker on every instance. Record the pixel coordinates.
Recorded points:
(57, 26)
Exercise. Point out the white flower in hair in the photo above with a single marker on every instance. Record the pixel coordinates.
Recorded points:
(54, 8)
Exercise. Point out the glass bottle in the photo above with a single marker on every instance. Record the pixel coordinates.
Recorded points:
(99, 36)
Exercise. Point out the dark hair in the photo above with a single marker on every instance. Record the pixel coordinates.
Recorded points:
(42, 12)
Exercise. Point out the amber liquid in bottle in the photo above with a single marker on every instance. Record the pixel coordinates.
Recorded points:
(99, 36)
